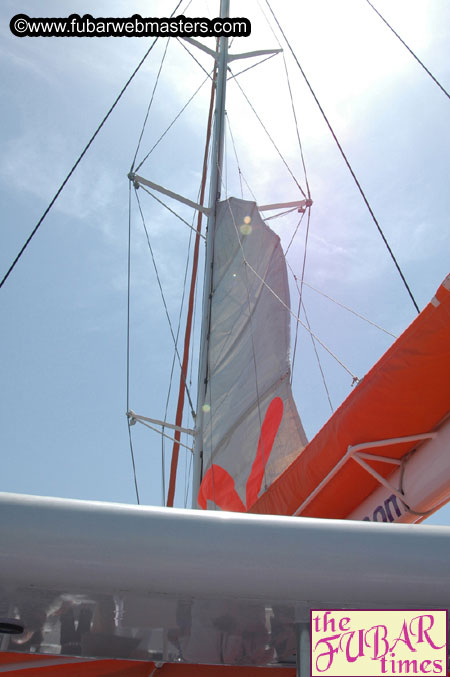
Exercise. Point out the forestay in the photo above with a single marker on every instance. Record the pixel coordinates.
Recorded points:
(251, 430)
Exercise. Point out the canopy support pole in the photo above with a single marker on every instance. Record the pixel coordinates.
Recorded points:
(354, 451)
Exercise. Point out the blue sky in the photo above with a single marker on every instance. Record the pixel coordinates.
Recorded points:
(63, 309)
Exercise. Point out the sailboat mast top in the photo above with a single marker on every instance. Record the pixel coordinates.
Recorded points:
(214, 196)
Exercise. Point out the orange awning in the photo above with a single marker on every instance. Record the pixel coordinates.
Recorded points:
(407, 392)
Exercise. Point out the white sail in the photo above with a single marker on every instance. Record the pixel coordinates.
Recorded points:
(252, 430)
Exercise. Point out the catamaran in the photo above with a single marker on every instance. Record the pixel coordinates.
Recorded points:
(278, 525)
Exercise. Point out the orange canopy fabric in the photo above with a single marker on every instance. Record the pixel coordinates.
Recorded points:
(407, 392)
(124, 668)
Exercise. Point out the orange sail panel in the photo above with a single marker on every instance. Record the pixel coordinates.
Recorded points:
(252, 430)
(406, 393)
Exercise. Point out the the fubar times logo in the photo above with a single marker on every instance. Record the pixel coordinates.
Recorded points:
(356, 643)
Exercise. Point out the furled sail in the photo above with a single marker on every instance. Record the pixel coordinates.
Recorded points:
(251, 430)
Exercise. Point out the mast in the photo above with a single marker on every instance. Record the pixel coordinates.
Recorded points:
(214, 196)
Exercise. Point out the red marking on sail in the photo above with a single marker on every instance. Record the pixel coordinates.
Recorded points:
(218, 486)
(269, 430)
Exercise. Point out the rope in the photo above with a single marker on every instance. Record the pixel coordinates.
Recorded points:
(83, 153)
(128, 342)
(348, 164)
(410, 51)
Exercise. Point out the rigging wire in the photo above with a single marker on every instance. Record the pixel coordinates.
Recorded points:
(270, 138)
(150, 104)
(241, 175)
(318, 359)
(163, 436)
(249, 68)
(172, 123)
(194, 57)
(286, 306)
(225, 161)
(410, 51)
(187, 484)
(235, 153)
(363, 195)
(128, 342)
(187, 335)
(191, 369)
(362, 317)
(162, 295)
(291, 98)
(146, 190)
(163, 463)
(301, 290)
(286, 211)
(296, 228)
(80, 157)
(297, 319)
(296, 127)
(249, 189)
